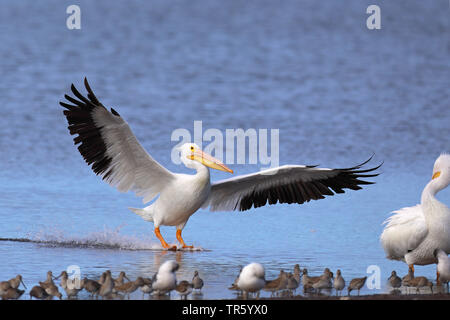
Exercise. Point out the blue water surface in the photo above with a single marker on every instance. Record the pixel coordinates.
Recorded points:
(337, 91)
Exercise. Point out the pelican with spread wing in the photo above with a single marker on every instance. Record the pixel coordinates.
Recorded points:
(107, 143)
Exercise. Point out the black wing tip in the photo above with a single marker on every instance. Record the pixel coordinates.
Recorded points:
(114, 112)
(355, 168)
(299, 192)
(87, 86)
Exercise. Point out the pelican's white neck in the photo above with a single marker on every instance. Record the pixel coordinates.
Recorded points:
(432, 188)
(202, 170)
(429, 192)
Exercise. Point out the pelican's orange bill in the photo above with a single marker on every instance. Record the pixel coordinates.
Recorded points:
(209, 161)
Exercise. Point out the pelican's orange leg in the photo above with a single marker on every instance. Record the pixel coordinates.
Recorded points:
(163, 242)
(180, 239)
(438, 282)
(412, 267)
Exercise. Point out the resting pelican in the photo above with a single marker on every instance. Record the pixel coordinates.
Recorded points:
(108, 144)
(413, 233)
(252, 279)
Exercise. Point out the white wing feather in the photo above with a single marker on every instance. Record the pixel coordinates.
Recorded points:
(405, 230)
(132, 167)
(108, 144)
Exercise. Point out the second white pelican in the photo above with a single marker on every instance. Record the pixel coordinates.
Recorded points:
(108, 144)
(413, 233)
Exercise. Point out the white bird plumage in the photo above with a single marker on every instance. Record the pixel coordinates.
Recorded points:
(165, 279)
(412, 234)
(443, 267)
(252, 278)
(108, 144)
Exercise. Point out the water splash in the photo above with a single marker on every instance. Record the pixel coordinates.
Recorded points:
(106, 239)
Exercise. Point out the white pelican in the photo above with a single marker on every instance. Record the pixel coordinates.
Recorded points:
(165, 279)
(413, 233)
(108, 144)
(252, 278)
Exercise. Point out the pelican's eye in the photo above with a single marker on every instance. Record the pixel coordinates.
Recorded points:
(436, 175)
(191, 156)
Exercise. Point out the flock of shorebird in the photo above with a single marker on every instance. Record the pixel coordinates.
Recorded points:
(107, 287)
(250, 281)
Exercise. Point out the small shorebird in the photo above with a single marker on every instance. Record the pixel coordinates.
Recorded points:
(120, 280)
(147, 287)
(184, 288)
(252, 279)
(420, 282)
(91, 286)
(308, 281)
(197, 282)
(292, 284)
(277, 284)
(394, 280)
(107, 286)
(408, 277)
(52, 290)
(12, 294)
(15, 282)
(339, 282)
(324, 281)
(442, 268)
(71, 288)
(39, 293)
(102, 277)
(234, 285)
(49, 286)
(48, 281)
(297, 273)
(4, 286)
(356, 284)
(130, 287)
(165, 279)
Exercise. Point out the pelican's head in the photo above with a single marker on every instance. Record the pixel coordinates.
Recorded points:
(192, 155)
(441, 171)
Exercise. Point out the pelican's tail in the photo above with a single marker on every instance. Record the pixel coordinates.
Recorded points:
(146, 213)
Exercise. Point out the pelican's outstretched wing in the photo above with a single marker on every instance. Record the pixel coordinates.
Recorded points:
(108, 144)
(405, 230)
(286, 184)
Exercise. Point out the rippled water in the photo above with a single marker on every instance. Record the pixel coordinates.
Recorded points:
(337, 92)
